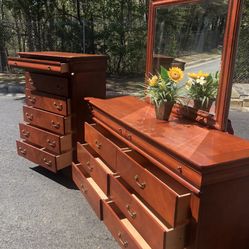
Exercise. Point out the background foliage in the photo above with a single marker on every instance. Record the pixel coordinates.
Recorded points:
(116, 28)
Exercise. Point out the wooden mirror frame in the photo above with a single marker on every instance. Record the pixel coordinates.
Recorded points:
(219, 120)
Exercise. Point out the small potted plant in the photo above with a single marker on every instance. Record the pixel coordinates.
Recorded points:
(202, 89)
(163, 90)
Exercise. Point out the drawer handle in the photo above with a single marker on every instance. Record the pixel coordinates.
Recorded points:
(48, 163)
(89, 166)
(29, 116)
(51, 143)
(32, 99)
(49, 68)
(120, 131)
(25, 133)
(124, 243)
(83, 189)
(141, 185)
(131, 213)
(179, 169)
(22, 151)
(59, 106)
(31, 82)
(98, 144)
(54, 125)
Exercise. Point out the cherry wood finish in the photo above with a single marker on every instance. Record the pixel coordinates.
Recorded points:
(215, 207)
(94, 166)
(89, 189)
(228, 55)
(44, 158)
(142, 218)
(52, 142)
(56, 84)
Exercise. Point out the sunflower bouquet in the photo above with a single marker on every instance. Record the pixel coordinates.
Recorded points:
(163, 90)
(202, 88)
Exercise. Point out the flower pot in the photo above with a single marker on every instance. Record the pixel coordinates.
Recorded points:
(205, 106)
(163, 110)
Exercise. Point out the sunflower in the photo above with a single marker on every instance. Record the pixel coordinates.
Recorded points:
(175, 74)
(198, 75)
(153, 81)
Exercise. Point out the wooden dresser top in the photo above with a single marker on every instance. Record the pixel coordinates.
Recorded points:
(204, 148)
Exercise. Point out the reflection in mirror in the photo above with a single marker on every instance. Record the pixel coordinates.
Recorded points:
(190, 37)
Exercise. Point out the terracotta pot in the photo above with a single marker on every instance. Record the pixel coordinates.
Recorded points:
(163, 111)
(205, 106)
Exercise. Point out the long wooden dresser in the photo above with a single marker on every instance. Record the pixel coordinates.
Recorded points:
(56, 84)
(163, 185)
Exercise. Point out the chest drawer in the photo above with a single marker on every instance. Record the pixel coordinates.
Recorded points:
(89, 189)
(105, 144)
(47, 102)
(44, 158)
(146, 181)
(52, 142)
(144, 220)
(95, 167)
(52, 122)
(121, 229)
(52, 84)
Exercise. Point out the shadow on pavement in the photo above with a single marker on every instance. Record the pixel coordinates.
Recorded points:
(62, 177)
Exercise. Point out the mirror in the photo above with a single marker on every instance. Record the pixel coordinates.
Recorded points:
(193, 36)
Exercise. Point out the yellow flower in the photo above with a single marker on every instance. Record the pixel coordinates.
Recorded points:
(198, 75)
(175, 74)
(153, 81)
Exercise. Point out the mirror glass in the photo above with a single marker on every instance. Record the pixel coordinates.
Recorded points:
(190, 37)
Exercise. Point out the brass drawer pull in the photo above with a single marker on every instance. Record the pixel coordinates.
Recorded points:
(83, 189)
(129, 137)
(47, 162)
(32, 99)
(179, 169)
(120, 131)
(51, 143)
(29, 116)
(141, 185)
(131, 213)
(49, 68)
(98, 144)
(22, 151)
(54, 125)
(124, 243)
(59, 106)
(88, 165)
(25, 133)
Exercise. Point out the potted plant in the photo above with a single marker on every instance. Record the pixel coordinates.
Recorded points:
(163, 90)
(202, 89)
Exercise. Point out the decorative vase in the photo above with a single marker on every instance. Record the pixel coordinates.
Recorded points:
(163, 110)
(205, 106)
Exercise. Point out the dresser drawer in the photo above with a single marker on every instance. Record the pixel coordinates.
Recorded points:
(47, 102)
(44, 158)
(146, 180)
(89, 189)
(52, 142)
(121, 229)
(48, 83)
(53, 122)
(41, 65)
(144, 220)
(105, 144)
(94, 166)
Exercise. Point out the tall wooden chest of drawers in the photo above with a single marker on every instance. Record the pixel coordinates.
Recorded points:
(163, 185)
(54, 114)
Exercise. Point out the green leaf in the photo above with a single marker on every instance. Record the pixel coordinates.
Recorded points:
(164, 73)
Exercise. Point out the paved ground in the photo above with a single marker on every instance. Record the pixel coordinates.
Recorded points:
(39, 210)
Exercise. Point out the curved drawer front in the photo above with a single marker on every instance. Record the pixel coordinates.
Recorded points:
(89, 189)
(169, 199)
(48, 83)
(48, 102)
(121, 229)
(103, 143)
(156, 234)
(54, 143)
(44, 158)
(53, 122)
(92, 164)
